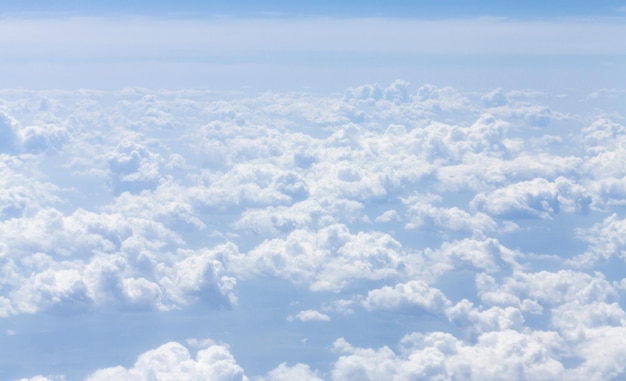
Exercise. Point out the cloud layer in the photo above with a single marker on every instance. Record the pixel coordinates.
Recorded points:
(485, 227)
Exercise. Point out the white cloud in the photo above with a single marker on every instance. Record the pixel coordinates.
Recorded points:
(388, 216)
(606, 239)
(406, 295)
(133, 168)
(8, 137)
(506, 355)
(535, 198)
(309, 315)
(603, 354)
(173, 361)
(574, 319)
(43, 137)
(249, 184)
(21, 192)
(477, 320)
(288, 373)
(424, 215)
(213, 192)
(495, 98)
(553, 288)
(329, 259)
(481, 252)
(89, 259)
(602, 135)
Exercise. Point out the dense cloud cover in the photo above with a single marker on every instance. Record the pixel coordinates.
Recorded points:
(485, 228)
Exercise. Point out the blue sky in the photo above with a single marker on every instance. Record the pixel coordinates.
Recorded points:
(315, 46)
(270, 191)
(420, 9)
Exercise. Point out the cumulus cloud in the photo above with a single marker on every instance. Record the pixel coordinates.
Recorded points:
(425, 215)
(606, 239)
(133, 168)
(406, 295)
(537, 198)
(174, 361)
(391, 200)
(553, 288)
(498, 355)
(309, 315)
(477, 320)
(43, 138)
(495, 98)
(87, 259)
(329, 259)
(8, 135)
(21, 193)
(602, 135)
(286, 373)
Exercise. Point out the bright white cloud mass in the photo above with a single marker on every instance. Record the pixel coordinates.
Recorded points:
(401, 229)
(395, 232)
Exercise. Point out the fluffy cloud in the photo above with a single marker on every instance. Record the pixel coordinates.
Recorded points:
(403, 295)
(388, 201)
(495, 98)
(425, 215)
(497, 355)
(603, 135)
(133, 168)
(606, 239)
(43, 137)
(552, 288)
(329, 259)
(477, 321)
(172, 361)
(8, 135)
(309, 315)
(287, 373)
(89, 259)
(22, 193)
(535, 198)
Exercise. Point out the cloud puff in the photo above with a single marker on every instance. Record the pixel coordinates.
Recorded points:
(606, 239)
(329, 259)
(21, 193)
(406, 295)
(87, 259)
(133, 168)
(173, 361)
(537, 198)
(478, 320)
(8, 135)
(309, 315)
(250, 184)
(44, 137)
(554, 288)
(397, 92)
(424, 215)
(602, 135)
(505, 355)
(495, 98)
(287, 373)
